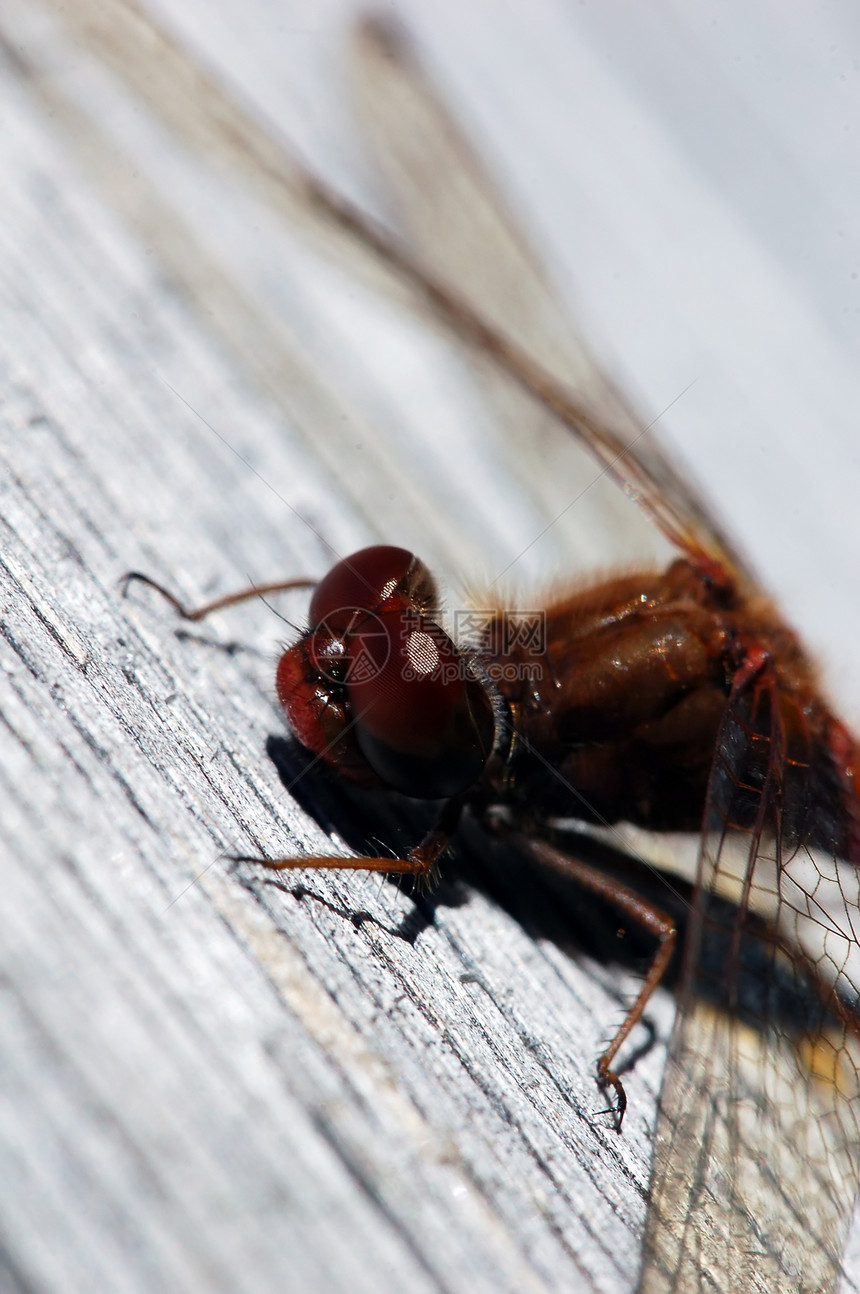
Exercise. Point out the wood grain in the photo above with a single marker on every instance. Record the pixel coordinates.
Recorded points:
(213, 1081)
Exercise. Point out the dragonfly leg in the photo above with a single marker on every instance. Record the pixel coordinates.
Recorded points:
(420, 860)
(633, 906)
(230, 600)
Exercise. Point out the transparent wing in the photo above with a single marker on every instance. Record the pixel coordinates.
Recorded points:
(453, 230)
(757, 1149)
(458, 232)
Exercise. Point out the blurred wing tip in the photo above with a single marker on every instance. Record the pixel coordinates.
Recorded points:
(384, 33)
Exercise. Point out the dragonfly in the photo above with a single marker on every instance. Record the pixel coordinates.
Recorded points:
(757, 1147)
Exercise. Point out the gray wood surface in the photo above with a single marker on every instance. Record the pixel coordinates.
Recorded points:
(210, 1080)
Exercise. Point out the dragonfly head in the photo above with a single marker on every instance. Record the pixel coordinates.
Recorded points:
(378, 690)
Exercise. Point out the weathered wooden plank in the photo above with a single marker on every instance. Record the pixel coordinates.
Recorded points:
(211, 1081)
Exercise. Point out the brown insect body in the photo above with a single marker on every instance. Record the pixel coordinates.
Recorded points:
(638, 674)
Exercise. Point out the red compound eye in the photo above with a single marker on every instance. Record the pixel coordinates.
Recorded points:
(376, 579)
(422, 720)
(380, 691)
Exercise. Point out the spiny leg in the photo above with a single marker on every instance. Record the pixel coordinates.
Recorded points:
(419, 861)
(632, 905)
